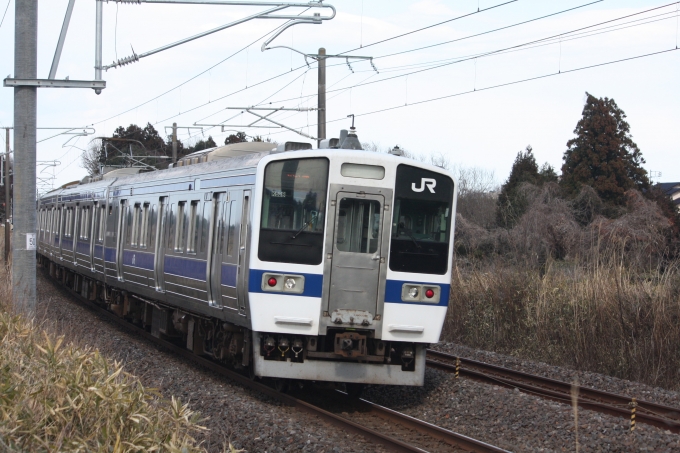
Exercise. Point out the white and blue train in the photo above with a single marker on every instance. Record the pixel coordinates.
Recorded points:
(327, 264)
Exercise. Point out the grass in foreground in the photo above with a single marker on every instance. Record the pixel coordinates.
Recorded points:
(57, 397)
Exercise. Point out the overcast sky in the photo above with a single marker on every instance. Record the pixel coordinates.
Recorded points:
(484, 119)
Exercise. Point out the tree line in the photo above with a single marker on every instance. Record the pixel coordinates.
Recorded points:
(136, 146)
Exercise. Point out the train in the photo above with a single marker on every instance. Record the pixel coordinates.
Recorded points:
(291, 263)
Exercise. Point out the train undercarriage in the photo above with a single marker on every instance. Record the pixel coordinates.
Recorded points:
(272, 354)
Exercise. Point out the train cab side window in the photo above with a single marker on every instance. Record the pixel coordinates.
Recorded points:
(180, 223)
(294, 211)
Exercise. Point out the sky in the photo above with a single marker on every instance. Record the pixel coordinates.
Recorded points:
(478, 99)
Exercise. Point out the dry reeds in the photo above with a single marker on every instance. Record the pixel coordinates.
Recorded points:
(601, 316)
(570, 286)
(59, 397)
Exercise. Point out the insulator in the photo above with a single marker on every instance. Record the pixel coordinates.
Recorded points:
(127, 60)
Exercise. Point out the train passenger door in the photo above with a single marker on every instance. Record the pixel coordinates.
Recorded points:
(358, 253)
(159, 247)
(229, 252)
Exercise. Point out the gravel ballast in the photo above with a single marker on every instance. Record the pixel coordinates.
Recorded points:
(503, 417)
(234, 414)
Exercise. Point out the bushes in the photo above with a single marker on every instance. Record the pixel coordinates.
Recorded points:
(593, 315)
(575, 282)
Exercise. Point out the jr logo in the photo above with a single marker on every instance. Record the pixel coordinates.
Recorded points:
(429, 182)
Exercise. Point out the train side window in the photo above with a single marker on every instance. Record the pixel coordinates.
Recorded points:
(67, 219)
(193, 232)
(69, 222)
(134, 234)
(154, 217)
(204, 225)
(102, 223)
(144, 228)
(84, 232)
(171, 225)
(76, 218)
(225, 226)
(180, 226)
(58, 228)
(231, 227)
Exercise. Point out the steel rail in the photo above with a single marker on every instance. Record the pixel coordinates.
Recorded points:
(655, 414)
(390, 443)
(434, 431)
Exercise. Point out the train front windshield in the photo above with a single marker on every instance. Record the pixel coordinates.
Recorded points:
(421, 224)
(293, 211)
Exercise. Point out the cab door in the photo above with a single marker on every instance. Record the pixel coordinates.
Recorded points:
(357, 257)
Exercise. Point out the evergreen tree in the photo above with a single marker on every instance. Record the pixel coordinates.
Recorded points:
(511, 202)
(236, 138)
(603, 154)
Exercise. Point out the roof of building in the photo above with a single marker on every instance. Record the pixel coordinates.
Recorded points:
(669, 187)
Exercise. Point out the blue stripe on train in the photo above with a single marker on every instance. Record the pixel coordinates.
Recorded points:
(98, 250)
(138, 259)
(313, 283)
(393, 292)
(229, 274)
(185, 267)
(110, 254)
(83, 247)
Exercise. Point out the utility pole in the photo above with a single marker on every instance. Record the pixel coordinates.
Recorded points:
(174, 143)
(25, 119)
(7, 197)
(321, 113)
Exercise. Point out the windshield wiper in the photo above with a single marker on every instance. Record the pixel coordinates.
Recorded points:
(409, 234)
(306, 224)
(297, 233)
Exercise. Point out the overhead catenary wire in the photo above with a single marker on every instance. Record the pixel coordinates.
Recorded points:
(505, 84)
(488, 31)
(299, 67)
(339, 64)
(340, 90)
(195, 77)
(437, 64)
(543, 41)
(3, 16)
(401, 35)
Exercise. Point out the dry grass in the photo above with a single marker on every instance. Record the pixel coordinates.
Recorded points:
(602, 315)
(569, 286)
(61, 397)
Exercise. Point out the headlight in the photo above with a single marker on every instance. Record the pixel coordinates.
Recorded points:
(413, 292)
(290, 283)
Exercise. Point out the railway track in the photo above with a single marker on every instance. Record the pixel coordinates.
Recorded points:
(426, 433)
(659, 415)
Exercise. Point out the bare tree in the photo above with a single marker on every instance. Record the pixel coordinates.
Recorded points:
(477, 194)
(91, 159)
